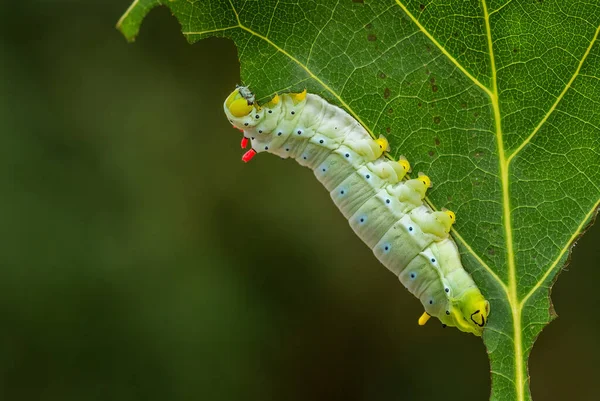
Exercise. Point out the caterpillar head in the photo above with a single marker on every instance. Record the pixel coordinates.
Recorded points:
(240, 103)
(471, 312)
(245, 113)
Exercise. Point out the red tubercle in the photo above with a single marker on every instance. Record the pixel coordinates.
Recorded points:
(248, 155)
(244, 143)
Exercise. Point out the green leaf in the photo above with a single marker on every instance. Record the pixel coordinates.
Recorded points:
(497, 100)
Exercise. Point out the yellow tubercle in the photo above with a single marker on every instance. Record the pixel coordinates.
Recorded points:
(425, 180)
(240, 107)
(298, 97)
(383, 143)
(424, 318)
(404, 163)
(450, 214)
(274, 101)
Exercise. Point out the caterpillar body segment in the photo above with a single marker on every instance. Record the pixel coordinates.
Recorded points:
(386, 211)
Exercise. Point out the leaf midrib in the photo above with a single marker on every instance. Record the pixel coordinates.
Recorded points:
(511, 291)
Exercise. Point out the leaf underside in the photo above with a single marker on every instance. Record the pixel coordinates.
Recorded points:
(498, 100)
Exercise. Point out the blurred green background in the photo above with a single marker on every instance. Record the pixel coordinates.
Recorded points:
(142, 260)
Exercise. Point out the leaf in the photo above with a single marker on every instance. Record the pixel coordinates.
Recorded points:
(499, 101)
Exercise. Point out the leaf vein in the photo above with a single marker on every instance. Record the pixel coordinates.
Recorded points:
(442, 49)
(565, 249)
(558, 99)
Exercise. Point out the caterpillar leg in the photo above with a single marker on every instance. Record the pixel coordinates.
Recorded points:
(436, 223)
(248, 155)
(390, 170)
(411, 191)
(371, 149)
(424, 318)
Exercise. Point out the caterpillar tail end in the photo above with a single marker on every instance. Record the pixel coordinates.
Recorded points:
(424, 318)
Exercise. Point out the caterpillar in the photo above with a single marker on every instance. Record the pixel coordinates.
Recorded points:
(383, 208)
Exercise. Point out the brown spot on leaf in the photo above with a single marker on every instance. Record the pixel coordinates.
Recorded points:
(491, 251)
(463, 105)
(478, 154)
(369, 26)
(388, 129)
(371, 37)
(386, 93)
(382, 75)
(434, 88)
(437, 141)
(422, 7)
(437, 119)
(419, 104)
(390, 111)
(432, 80)
(431, 153)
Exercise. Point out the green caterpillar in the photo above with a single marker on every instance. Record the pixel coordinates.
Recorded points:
(384, 210)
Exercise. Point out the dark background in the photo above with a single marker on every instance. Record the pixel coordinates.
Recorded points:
(140, 259)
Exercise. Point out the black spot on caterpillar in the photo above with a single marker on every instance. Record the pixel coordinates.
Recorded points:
(386, 211)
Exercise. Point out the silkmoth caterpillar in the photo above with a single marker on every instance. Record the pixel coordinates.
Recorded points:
(386, 211)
